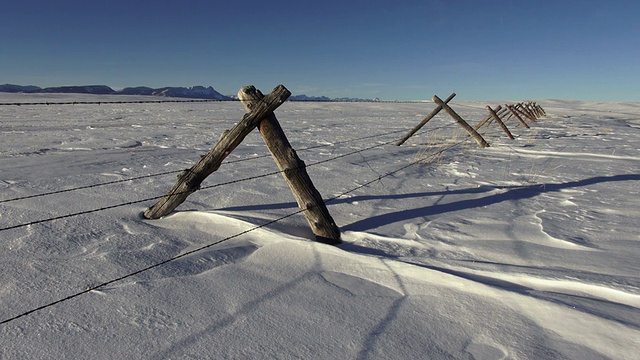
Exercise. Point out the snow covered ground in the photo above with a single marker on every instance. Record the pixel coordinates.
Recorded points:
(528, 249)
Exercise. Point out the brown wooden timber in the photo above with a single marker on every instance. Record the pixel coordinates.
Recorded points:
(502, 112)
(499, 121)
(522, 110)
(479, 139)
(294, 171)
(424, 121)
(189, 181)
(542, 112)
(532, 110)
(513, 111)
(485, 120)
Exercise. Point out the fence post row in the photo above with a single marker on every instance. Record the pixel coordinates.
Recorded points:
(423, 122)
(293, 170)
(514, 113)
(486, 119)
(497, 119)
(501, 115)
(479, 139)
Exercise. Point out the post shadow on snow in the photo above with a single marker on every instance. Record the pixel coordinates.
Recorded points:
(514, 193)
(290, 205)
(623, 314)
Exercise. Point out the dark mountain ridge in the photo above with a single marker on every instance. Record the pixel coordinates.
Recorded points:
(194, 92)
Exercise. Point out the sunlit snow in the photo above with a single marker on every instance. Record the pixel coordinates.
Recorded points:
(528, 249)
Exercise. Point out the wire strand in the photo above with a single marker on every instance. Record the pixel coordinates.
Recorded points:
(178, 171)
(183, 192)
(153, 266)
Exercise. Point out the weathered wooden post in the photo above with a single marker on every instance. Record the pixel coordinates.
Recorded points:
(533, 110)
(293, 170)
(497, 119)
(423, 122)
(479, 139)
(522, 110)
(485, 120)
(512, 110)
(190, 180)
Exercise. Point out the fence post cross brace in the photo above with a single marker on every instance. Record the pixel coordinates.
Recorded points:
(260, 115)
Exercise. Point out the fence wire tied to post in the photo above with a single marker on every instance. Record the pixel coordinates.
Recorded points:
(96, 287)
(162, 196)
(179, 171)
(164, 262)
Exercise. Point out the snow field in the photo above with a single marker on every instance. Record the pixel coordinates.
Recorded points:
(525, 250)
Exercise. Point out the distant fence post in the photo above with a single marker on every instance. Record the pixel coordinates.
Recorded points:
(497, 119)
(517, 116)
(479, 139)
(485, 120)
(294, 171)
(189, 181)
(537, 109)
(524, 111)
(424, 121)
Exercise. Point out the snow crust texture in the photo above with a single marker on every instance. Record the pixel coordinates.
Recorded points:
(528, 249)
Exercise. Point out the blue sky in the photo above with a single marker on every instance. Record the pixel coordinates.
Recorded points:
(394, 50)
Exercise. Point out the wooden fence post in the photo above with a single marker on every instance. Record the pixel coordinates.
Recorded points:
(485, 120)
(423, 122)
(536, 109)
(512, 110)
(522, 110)
(293, 170)
(190, 180)
(497, 119)
(479, 139)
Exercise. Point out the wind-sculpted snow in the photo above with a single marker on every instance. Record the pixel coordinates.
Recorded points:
(527, 249)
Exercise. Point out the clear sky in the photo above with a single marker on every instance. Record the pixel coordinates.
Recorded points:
(391, 49)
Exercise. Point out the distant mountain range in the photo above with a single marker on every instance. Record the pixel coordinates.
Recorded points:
(194, 92)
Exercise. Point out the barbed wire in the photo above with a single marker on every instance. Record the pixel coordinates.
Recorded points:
(156, 265)
(35, 222)
(161, 263)
(178, 171)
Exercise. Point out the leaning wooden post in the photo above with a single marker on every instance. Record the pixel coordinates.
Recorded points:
(497, 119)
(512, 110)
(423, 122)
(535, 109)
(189, 181)
(520, 108)
(531, 110)
(460, 121)
(485, 120)
(504, 114)
(294, 171)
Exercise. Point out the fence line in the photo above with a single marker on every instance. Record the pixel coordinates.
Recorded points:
(161, 196)
(153, 266)
(536, 111)
(179, 171)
